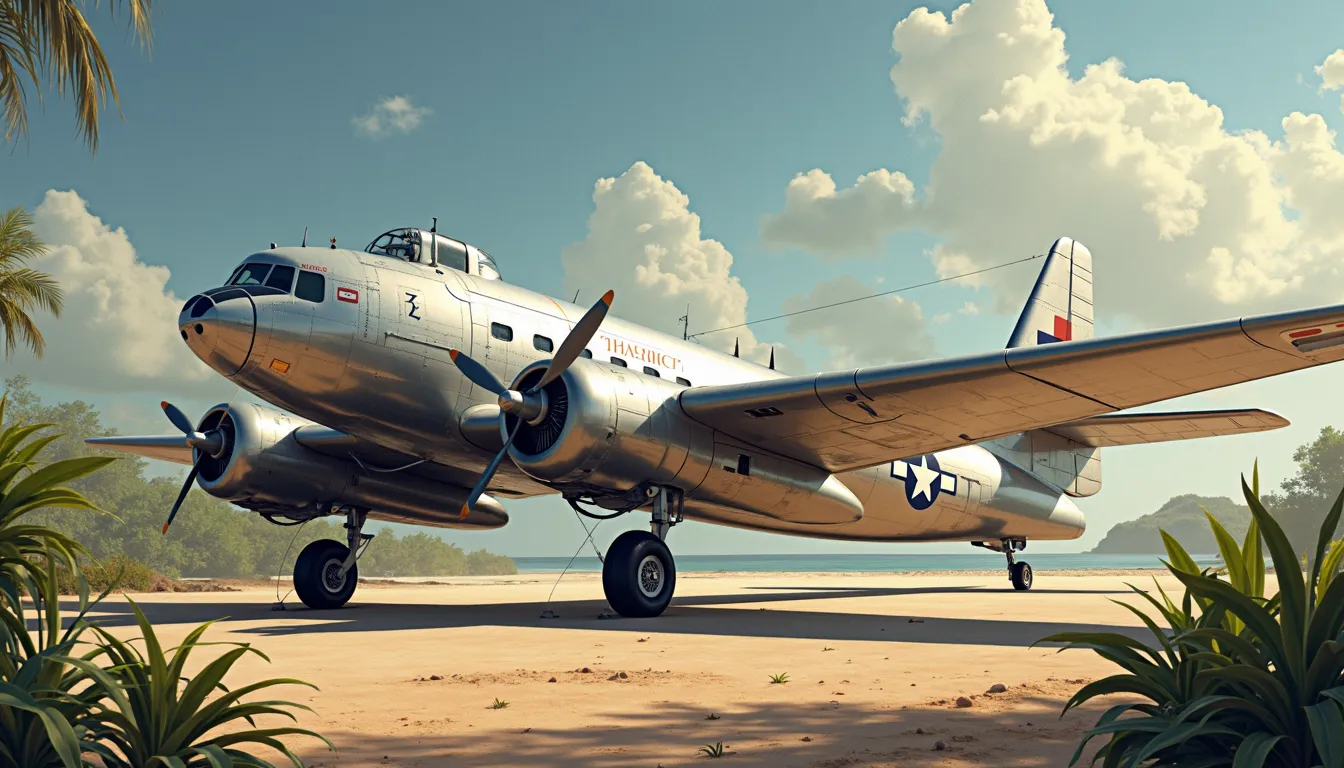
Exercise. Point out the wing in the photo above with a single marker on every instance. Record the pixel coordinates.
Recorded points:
(172, 448)
(853, 419)
(1139, 428)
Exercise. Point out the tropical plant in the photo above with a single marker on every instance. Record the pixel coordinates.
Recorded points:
(47, 695)
(50, 40)
(155, 716)
(23, 289)
(779, 679)
(26, 486)
(713, 750)
(1240, 680)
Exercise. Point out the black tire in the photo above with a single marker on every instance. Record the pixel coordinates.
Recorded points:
(316, 575)
(1020, 574)
(639, 575)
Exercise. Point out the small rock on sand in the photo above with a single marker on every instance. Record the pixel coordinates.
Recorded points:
(552, 680)
(998, 688)
(919, 731)
(963, 702)
(435, 677)
(623, 676)
(585, 670)
(939, 746)
(806, 738)
(614, 677)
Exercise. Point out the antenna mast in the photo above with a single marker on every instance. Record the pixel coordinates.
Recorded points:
(304, 244)
(686, 324)
(434, 243)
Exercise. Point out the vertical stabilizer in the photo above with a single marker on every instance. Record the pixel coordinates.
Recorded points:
(1060, 307)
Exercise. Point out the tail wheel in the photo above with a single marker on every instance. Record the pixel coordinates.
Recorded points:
(317, 575)
(639, 575)
(1020, 575)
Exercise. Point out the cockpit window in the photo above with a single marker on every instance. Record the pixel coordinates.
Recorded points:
(487, 267)
(401, 244)
(251, 274)
(281, 277)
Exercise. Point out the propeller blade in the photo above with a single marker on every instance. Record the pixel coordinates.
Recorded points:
(191, 478)
(577, 340)
(489, 472)
(479, 374)
(178, 418)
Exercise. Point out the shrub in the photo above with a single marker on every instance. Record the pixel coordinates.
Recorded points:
(1239, 679)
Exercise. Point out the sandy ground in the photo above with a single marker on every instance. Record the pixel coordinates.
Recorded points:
(874, 665)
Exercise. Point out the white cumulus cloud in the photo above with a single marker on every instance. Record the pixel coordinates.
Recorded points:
(1332, 71)
(886, 329)
(645, 243)
(1187, 219)
(118, 330)
(395, 114)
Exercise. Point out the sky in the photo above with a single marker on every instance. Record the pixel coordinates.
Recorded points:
(795, 153)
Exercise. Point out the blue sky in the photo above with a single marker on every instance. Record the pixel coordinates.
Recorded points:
(238, 132)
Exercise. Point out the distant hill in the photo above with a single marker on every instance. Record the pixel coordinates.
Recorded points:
(1182, 518)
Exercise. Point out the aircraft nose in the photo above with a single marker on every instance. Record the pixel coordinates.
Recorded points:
(219, 329)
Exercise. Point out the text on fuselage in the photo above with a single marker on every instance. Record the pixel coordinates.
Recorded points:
(643, 354)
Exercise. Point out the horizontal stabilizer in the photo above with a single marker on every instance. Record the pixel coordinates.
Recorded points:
(1140, 428)
(172, 448)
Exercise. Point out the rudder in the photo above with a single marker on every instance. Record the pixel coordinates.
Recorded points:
(1060, 306)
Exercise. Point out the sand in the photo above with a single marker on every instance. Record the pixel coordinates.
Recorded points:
(409, 672)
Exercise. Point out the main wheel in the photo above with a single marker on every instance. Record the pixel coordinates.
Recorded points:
(317, 575)
(639, 575)
(1020, 575)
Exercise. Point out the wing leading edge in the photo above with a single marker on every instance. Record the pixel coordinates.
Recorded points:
(849, 420)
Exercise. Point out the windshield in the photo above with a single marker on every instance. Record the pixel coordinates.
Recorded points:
(487, 267)
(251, 274)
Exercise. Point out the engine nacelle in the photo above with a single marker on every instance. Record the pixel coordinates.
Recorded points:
(263, 466)
(609, 430)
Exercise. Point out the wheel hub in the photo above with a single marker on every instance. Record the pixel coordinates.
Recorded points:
(650, 576)
(332, 578)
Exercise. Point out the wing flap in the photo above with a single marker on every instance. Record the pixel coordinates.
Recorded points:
(1142, 428)
(848, 420)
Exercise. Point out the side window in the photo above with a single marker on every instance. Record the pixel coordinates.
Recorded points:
(652, 372)
(282, 278)
(683, 382)
(311, 287)
(619, 361)
(588, 353)
(542, 343)
(501, 331)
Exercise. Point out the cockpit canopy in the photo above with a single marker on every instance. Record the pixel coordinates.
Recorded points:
(421, 247)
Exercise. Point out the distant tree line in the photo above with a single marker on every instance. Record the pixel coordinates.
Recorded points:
(209, 537)
(1299, 505)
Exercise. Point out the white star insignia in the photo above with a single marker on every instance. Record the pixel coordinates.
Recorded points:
(924, 479)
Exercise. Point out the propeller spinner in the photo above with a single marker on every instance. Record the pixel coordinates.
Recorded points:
(528, 405)
(209, 444)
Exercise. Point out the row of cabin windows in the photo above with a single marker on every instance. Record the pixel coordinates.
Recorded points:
(544, 344)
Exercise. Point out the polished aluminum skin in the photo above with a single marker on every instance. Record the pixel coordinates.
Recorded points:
(989, 447)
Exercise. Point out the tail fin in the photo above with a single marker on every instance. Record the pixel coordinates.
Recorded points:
(1060, 307)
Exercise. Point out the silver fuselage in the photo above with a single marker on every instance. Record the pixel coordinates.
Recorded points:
(374, 363)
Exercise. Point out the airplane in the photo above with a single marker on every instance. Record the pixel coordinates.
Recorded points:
(387, 366)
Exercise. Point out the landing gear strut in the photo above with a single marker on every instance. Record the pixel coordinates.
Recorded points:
(1018, 573)
(639, 574)
(326, 573)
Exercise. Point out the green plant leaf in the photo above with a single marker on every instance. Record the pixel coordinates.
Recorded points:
(1255, 749)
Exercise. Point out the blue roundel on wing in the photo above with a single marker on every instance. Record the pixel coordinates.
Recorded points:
(924, 480)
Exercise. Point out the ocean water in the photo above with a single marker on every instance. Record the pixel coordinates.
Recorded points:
(975, 561)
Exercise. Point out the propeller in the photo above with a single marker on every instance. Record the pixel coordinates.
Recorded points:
(529, 405)
(210, 444)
